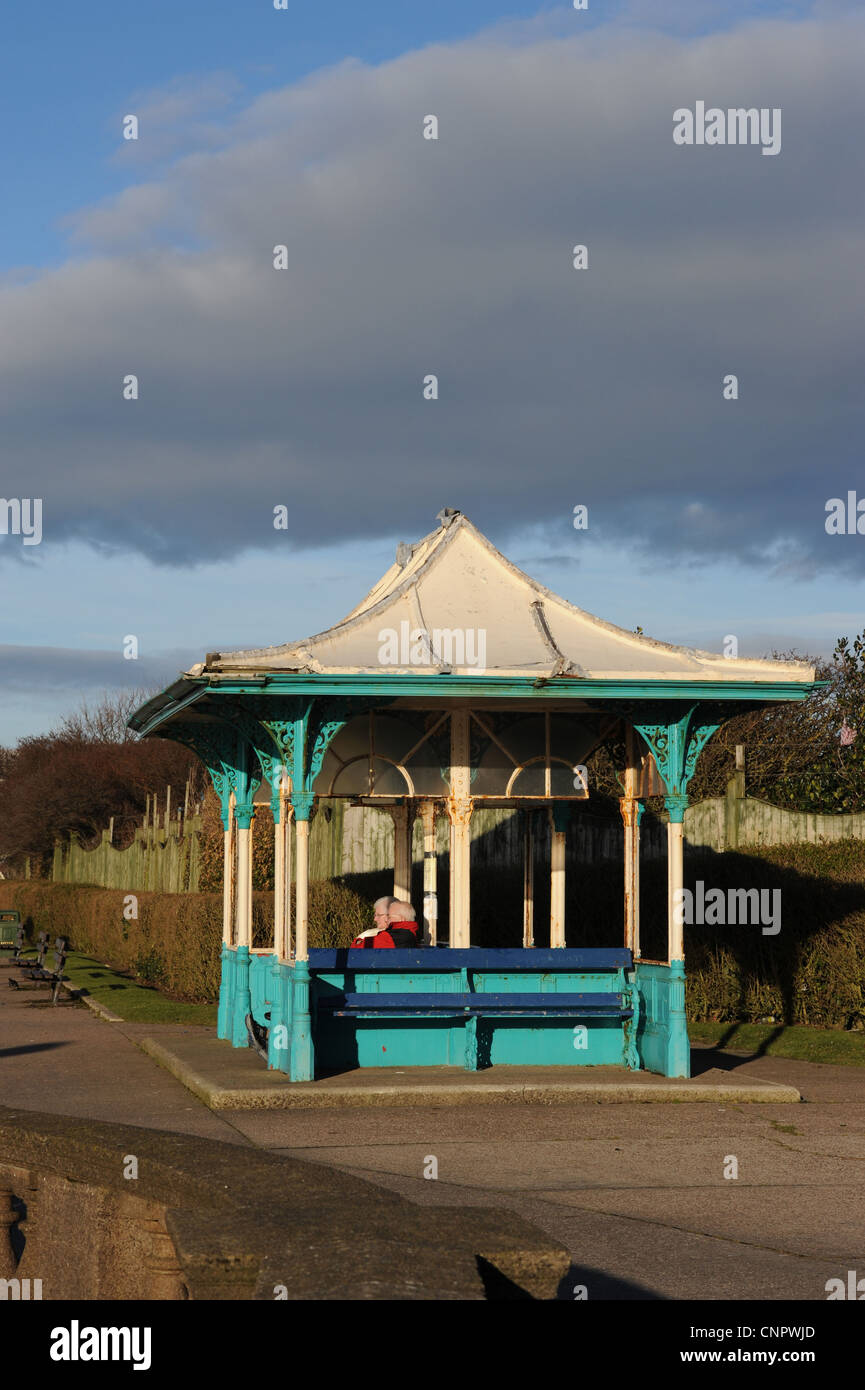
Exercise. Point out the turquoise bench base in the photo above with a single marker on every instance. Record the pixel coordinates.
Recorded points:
(638, 1020)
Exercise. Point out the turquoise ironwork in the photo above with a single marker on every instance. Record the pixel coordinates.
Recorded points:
(226, 754)
(676, 743)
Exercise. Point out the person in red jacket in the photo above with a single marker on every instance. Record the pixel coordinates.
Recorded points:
(402, 930)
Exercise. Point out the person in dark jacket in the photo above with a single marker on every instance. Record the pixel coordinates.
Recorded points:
(402, 930)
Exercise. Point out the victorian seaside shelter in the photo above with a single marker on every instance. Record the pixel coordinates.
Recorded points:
(457, 683)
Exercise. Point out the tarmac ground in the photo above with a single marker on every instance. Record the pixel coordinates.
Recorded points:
(640, 1191)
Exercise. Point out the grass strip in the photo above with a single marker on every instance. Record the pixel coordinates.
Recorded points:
(835, 1046)
(132, 1002)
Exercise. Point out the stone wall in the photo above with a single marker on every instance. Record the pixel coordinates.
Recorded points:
(208, 1220)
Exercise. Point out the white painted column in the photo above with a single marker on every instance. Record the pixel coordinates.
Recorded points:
(243, 917)
(635, 880)
(626, 807)
(430, 873)
(557, 883)
(529, 880)
(228, 874)
(287, 822)
(279, 879)
(249, 846)
(302, 890)
(675, 881)
(403, 824)
(459, 808)
(631, 810)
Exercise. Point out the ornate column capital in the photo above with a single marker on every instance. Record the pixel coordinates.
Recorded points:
(459, 810)
(302, 803)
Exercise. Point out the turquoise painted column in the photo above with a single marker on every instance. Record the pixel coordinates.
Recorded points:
(279, 1034)
(302, 1060)
(676, 744)
(302, 736)
(277, 1037)
(632, 1025)
(242, 997)
(678, 1046)
(223, 1013)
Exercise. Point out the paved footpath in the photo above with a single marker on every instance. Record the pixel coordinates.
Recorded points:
(636, 1191)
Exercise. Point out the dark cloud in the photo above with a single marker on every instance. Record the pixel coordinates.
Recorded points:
(410, 257)
(45, 670)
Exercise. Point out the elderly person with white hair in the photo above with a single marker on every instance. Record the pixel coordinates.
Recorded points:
(380, 909)
(401, 929)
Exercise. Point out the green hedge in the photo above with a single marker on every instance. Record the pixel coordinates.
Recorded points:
(812, 972)
(176, 940)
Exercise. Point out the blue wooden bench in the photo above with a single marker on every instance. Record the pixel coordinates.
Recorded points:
(484, 1004)
(469, 1002)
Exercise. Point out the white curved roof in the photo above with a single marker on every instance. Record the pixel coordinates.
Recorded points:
(473, 603)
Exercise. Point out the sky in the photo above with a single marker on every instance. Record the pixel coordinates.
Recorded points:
(303, 387)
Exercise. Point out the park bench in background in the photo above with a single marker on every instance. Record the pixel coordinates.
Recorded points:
(21, 946)
(41, 948)
(39, 975)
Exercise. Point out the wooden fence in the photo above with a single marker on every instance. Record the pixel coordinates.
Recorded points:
(163, 860)
(359, 839)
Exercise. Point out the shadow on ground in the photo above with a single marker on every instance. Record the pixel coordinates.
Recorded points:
(30, 1047)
